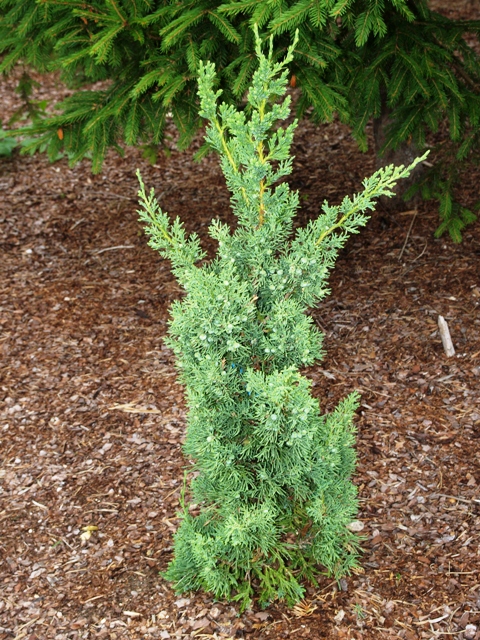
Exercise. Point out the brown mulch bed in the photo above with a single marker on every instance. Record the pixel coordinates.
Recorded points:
(93, 419)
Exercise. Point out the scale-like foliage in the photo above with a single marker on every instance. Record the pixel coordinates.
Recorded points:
(272, 495)
(355, 58)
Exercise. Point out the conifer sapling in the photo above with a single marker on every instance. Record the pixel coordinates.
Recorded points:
(272, 474)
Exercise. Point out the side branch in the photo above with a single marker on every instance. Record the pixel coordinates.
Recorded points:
(381, 183)
(228, 154)
(150, 206)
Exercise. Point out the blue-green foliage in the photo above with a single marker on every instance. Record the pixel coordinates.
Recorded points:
(273, 487)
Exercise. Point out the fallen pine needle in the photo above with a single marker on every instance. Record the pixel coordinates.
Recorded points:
(37, 504)
(304, 609)
(131, 408)
(94, 598)
(120, 246)
(28, 624)
(434, 620)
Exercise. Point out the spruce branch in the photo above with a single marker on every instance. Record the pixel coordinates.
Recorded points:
(394, 55)
(117, 11)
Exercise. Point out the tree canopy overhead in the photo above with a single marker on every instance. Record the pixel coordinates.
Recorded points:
(354, 58)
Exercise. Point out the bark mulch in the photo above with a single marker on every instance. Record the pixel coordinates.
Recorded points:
(93, 418)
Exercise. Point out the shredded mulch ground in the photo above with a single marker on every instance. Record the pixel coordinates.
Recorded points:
(93, 418)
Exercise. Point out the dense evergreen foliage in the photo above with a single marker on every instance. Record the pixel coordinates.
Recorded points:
(356, 58)
(272, 496)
